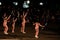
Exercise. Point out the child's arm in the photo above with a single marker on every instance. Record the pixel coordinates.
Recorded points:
(15, 19)
(8, 17)
(23, 13)
(26, 14)
(41, 25)
(3, 17)
(33, 23)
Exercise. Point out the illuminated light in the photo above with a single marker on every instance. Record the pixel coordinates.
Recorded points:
(41, 3)
(15, 3)
(25, 5)
(0, 3)
(28, 1)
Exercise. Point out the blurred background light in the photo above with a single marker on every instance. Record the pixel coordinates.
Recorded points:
(41, 3)
(25, 5)
(0, 3)
(15, 3)
(28, 1)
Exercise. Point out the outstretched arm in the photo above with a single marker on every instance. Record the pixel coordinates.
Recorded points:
(33, 23)
(26, 14)
(41, 25)
(8, 17)
(15, 19)
(23, 13)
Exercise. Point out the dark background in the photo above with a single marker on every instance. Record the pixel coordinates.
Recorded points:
(53, 6)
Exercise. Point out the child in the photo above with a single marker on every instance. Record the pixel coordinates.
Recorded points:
(5, 20)
(13, 25)
(23, 23)
(37, 24)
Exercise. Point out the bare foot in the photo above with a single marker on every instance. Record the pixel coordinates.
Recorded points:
(6, 33)
(36, 36)
(23, 32)
(12, 31)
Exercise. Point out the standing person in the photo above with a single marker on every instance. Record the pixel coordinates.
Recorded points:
(37, 24)
(13, 24)
(23, 22)
(5, 20)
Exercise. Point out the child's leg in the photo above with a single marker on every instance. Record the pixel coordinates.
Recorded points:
(6, 30)
(13, 27)
(37, 32)
(23, 28)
